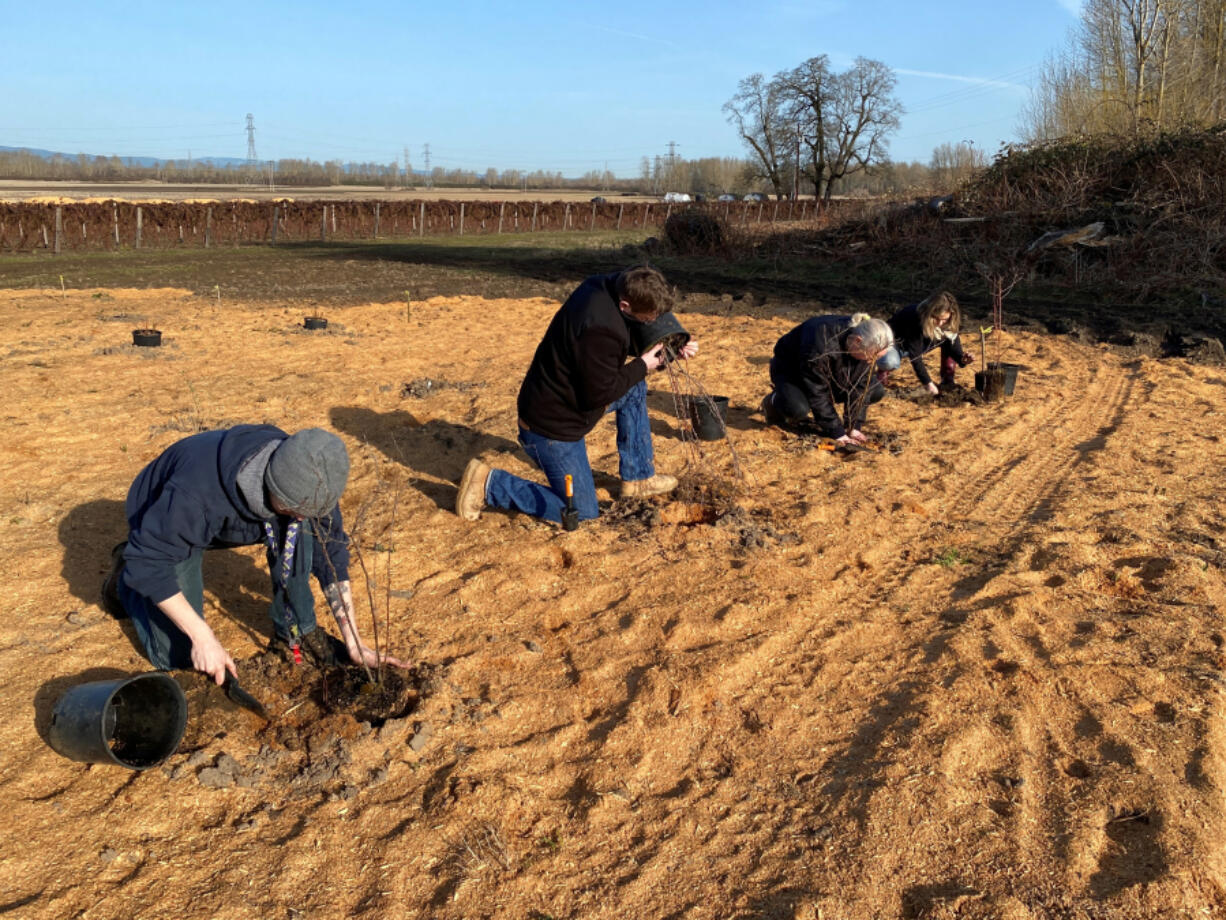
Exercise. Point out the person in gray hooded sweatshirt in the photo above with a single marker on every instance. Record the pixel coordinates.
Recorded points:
(241, 486)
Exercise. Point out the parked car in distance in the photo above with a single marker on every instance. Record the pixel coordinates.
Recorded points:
(598, 200)
(754, 196)
(676, 196)
(726, 197)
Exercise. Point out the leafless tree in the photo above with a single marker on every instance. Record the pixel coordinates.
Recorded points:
(953, 164)
(757, 113)
(840, 120)
(1133, 66)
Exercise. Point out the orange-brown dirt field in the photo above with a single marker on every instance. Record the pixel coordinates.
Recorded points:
(976, 675)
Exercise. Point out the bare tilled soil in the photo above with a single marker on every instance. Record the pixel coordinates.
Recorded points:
(975, 674)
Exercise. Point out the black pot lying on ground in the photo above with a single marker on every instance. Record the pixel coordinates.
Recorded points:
(998, 381)
(135, 722)
(664, 328)
(315, 322)
(710, 417)
(149, 338)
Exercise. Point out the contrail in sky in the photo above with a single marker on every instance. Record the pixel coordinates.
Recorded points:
(978, 81)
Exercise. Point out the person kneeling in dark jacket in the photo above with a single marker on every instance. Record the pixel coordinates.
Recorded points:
(823, 365)
(921, 327)
(580, 372)
(242, 486)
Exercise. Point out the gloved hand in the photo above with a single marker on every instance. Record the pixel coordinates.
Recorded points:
(967, 358)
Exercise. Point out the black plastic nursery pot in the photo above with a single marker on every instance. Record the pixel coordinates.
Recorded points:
(134, 722)
(665, 328)
(710, 417)
(147, 338)
(315, 322)
(998, 381)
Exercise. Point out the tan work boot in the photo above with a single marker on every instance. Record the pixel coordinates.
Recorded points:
(470, 498)
(659, 484)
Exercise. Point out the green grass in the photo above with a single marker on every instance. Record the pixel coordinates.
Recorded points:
(951, 557)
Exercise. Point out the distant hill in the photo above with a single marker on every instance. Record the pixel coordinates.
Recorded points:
(223, 162)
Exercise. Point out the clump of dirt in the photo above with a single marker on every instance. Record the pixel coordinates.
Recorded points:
(421, 387)
(694, 501)
(392, 694)
(755, 529)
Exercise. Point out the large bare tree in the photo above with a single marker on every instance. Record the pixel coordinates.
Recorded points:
(757, 113)
(840, 121)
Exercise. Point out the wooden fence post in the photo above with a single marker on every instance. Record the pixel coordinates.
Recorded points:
(376, 220)
(139, 225)
(620, 208)
(461, 218)
(59, 228)
(115, 222)
(423, 220)
(323, 226)
(803, 206)
(333, 219)
(276, 213)
(208, 228)
(669, 212)
(761, 205)
(535, 205)
(775, 215)
(791, 207)
(646, 211)
(566, 216)
(592, 223)
(501, 207)
(234, 221)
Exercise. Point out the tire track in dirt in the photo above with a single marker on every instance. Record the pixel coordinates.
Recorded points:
(1025, 485)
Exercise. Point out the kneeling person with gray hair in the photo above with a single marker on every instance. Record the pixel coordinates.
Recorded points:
(242, 486)
(823, 365)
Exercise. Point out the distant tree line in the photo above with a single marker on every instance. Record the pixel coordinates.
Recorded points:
(708, 176)
(1134, 66)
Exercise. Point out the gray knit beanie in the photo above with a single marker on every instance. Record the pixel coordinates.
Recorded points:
(308, 471)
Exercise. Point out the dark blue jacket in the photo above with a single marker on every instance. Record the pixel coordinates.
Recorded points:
(580, 366)
(188, 499)
(814, 357)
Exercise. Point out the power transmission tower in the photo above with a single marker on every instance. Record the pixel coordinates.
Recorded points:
(251, 157)
(426, 156)
(672, 154)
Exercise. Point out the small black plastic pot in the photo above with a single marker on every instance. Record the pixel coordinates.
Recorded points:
(998, 381)
(665, 328)
(134, 722)
(710, 417)
(315, 322)
(147, 338)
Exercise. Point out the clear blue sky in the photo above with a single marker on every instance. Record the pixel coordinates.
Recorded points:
(561, 86)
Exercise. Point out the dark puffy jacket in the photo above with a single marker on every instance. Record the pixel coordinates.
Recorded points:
(580, 366)
(912, 344)
(188, 499)
(814, 357)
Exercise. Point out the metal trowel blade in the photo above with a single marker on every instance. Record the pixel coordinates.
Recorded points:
(237, 694)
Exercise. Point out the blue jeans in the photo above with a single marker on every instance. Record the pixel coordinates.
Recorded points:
(168, 647)
(557, 458)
